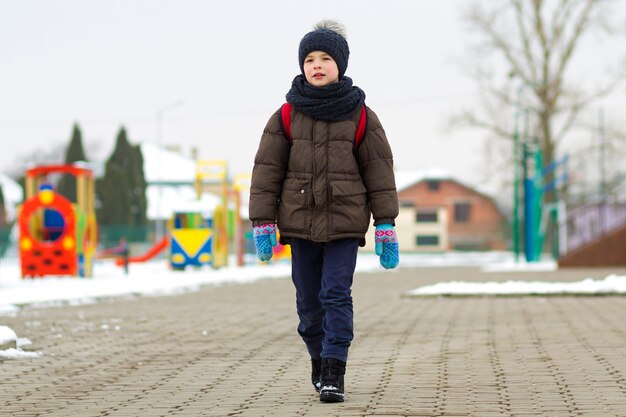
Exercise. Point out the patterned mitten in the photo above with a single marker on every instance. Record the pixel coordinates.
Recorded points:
(264, 240)
(387, 246)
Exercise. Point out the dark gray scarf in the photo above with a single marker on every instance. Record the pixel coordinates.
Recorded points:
(333, 102)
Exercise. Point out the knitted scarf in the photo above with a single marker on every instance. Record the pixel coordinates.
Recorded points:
(333, 102)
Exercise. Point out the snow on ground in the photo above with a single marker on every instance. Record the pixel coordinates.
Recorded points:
(7, 335)
(150, 278)
(13, 353)
(612, 284)
(498, 262)
(155, 278)
(147, 279)
(512, 266)
(9, 338)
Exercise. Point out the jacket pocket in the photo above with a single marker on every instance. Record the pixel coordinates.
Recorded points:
(293, 209)
(349, 208)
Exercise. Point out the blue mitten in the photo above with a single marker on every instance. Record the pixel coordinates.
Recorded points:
(264, 240)
(387, 246)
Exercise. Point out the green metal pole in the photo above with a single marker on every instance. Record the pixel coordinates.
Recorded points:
(538, 183)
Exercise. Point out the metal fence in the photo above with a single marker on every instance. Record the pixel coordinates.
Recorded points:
(589, 222)
(108, 236)
(141, 238)
(5, 233)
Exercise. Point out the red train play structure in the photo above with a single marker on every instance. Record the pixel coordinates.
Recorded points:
(57, 237)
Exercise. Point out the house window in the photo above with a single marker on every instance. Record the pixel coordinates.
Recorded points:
(462, 212)
(433, 185)
(427, 240)
(426, 217)
(468, 247)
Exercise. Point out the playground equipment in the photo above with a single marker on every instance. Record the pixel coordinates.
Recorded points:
(212, 177)
(241, 188)
(189, 239)
(243, 229)
(197, 233)
(151, 253)
(192, 236)
(535, 212)
(56, 236)
(121, 251)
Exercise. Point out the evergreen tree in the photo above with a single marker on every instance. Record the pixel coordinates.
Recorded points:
(115, 190)
(115, 202)
(139, 206)
(74, 152)
(3, 212)
(122, 191)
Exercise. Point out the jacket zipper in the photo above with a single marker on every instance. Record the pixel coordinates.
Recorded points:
(313, 179)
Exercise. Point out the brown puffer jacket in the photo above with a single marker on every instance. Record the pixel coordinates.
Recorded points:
(319, 187)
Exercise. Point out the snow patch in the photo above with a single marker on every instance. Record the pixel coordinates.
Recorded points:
(18, 354)
(612, 284)
(8, 337)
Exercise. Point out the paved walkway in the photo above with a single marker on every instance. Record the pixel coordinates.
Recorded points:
(234, 351)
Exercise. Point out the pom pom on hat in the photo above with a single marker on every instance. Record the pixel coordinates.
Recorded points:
(333, 25)
(328, 36)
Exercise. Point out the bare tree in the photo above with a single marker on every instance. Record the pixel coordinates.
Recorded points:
(535, 42)
(52, 153)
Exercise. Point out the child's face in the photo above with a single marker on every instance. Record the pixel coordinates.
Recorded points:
(320, 69)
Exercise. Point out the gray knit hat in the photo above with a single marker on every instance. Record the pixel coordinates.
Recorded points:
(328, 36)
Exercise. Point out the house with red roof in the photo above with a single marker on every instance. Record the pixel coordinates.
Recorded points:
(440, 213)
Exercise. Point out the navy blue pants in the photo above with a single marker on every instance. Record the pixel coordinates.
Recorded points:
(322, 274)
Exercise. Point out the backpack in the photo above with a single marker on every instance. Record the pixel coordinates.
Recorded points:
(285, 112)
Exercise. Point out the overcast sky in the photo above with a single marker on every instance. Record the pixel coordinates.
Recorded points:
(218, 69)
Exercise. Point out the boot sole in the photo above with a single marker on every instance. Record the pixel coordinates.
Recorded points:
(331, 397)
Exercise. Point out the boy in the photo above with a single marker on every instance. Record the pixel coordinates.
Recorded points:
(320, 186)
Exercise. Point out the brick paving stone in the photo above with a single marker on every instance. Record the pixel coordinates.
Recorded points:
(233, 350)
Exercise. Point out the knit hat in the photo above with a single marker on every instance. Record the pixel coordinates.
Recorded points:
(328, 36)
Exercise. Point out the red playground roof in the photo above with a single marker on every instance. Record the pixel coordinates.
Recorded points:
(62, 169)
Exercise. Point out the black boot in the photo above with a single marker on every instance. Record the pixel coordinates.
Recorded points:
(316, 374)
(333, 371)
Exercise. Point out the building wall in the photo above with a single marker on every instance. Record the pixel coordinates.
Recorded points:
(410, 230)
(481, 229)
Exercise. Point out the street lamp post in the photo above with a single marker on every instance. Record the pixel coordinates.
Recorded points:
(160, 221)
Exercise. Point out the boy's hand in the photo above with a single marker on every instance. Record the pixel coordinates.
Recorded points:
(264, 240)
(387, 246)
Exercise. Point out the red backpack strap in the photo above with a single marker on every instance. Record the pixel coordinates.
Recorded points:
(285, 120)
(360, 130)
